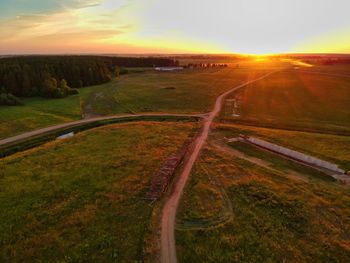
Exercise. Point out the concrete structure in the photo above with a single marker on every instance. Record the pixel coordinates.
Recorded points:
(65, 136)
(232, 107)
(294, 154)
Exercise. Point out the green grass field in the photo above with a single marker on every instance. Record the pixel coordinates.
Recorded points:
(235, 211)
(188, 91)
(81, 199)
(332, 69)
(332, 148)
(41, 112)
(279, 163)
(294, 99)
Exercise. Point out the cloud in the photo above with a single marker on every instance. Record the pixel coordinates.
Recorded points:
(80, 3)
(79, 36)
(252, 26)
(247, 26)
(10, 8)
(80, 22)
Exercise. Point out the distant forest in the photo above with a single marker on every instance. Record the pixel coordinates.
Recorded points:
(59, 76)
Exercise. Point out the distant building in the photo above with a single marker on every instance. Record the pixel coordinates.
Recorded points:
(168, 68)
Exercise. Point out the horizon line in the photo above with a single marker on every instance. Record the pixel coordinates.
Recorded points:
(169, 54)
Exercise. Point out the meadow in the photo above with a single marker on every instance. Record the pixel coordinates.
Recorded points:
(40, 112)
(143, 90)
(293, 99)
(82, 199)
(329, 147)
(235, 211)
(332, 69)
(189, 91)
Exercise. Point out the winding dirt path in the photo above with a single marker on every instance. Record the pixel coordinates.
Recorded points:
(42, 131)
(168, 249)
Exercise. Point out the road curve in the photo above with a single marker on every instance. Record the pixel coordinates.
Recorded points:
(30, 134)
(168, 249)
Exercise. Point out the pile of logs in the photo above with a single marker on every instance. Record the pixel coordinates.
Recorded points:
(162, 178)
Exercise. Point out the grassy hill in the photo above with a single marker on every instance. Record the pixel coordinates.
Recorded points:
(236, 211)
(296, 99)
(188, 91)
(82, 199)
(329, 147)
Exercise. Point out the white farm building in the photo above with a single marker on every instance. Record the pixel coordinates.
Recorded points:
(168, 68)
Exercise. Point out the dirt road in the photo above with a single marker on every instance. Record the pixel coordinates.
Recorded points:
(168, 249)
(30, 134)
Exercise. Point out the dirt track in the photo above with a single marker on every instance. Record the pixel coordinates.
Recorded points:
(223, 147)
(168, 249)
(30, 134)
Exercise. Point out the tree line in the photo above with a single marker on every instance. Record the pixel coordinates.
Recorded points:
(206, 65)
(60, 76)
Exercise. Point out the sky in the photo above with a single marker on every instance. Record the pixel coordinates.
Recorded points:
(174, 26)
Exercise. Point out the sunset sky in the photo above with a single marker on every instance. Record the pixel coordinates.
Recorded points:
(174, 26)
